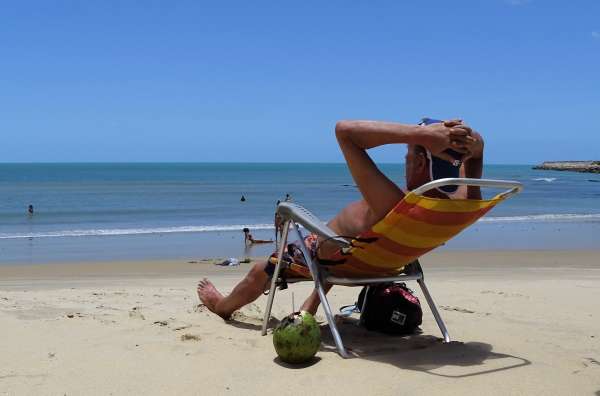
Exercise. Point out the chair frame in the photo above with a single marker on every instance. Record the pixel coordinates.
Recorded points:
(294, 215)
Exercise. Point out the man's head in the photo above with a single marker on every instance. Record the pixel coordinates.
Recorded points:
(417, 167)
(246, 230)
(422, 167)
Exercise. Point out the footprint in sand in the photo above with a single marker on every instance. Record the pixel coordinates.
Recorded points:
(254, 308)
(457, 309)
(592, 361)
(587, 363)
(173, 326)
(190, 337)
(504, 294)
(135, 313)
(187, 326)
(242, 317)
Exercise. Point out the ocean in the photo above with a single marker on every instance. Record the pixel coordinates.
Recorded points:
(95, 212)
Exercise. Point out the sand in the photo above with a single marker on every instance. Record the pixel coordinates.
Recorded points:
(524, 323)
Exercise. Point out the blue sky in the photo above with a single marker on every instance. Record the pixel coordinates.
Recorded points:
(266, 81)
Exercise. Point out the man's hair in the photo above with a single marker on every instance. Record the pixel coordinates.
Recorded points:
(246, 229)
(420, 149)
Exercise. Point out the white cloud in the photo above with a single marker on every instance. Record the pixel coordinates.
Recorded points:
(596, 35)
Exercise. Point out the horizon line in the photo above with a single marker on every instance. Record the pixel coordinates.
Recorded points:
(236, 162)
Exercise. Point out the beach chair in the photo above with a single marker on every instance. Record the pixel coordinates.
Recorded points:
(389, 251)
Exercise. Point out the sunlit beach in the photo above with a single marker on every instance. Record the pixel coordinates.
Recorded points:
(331, 198)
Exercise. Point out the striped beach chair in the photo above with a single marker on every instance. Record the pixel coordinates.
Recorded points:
(389, 251)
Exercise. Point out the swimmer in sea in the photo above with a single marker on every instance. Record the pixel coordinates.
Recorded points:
(249, 239)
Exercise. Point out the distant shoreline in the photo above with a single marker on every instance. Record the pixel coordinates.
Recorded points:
(572, 166)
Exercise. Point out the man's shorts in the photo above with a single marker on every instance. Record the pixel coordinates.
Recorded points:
(293, 262)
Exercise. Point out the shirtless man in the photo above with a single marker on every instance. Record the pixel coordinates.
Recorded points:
(429, 143)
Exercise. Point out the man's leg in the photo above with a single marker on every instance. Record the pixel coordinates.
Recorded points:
(312, 302)
(248, 290)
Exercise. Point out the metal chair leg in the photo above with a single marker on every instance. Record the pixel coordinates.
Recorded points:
(434, 310)
(337, 338)
(364, 305)
(316, 274)
(286, 227)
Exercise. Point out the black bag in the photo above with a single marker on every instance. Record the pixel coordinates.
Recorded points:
(391, 308)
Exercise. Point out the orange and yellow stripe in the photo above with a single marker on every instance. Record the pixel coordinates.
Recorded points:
(415, 226)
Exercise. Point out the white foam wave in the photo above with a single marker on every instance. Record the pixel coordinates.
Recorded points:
(137, 231)
(568, 217)
(563, 217)
(546, 179)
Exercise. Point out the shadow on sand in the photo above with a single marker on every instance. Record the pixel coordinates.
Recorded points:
(311, 362)
(423, 353)
(247, 323)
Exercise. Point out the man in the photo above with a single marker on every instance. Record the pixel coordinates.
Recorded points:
(432, 148)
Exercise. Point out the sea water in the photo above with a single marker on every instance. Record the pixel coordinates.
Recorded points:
(92, 212)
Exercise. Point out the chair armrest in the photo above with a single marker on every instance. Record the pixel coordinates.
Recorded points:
(302, 216)
(513, 187)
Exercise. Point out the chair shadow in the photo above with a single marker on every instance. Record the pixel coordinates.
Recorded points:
(424, 353)
(246, 324)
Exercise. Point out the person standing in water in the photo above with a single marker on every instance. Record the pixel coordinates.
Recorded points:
(30, 210)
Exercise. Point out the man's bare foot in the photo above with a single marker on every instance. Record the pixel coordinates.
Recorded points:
(210, 296)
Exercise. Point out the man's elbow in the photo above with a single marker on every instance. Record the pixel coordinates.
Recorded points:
(342, 128)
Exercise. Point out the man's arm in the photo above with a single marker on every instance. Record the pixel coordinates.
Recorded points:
(355, 137)
(474, 170)
(473, 166)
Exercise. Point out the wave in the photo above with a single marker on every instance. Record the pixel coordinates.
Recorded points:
(567, 217)
(546, 179)
(137, 231)
(563, 217)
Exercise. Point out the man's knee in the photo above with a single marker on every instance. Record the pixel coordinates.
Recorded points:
(258, 268)
(257, 273)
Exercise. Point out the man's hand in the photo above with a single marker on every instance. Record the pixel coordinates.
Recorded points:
(474, 147)
(451, 134)
(474, 143)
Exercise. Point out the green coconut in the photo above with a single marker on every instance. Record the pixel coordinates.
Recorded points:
(297, 338)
